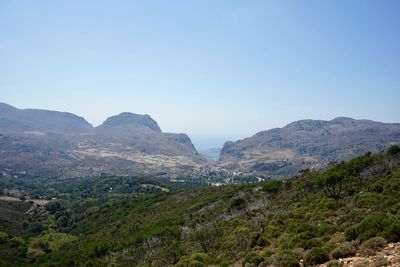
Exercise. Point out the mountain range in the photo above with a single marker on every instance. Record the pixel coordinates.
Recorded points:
(36, 142)
(307, 144)
(52, 143)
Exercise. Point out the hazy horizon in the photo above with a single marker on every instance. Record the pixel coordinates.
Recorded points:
(214, 70)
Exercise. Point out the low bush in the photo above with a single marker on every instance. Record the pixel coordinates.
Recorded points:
(392, 187)
(380, 262)
(238, 203)
(327, 229)
(253, 258)
(374, 243)
(315, 256)
(343, 251)
(201, 257)
(3, 238)
(328, 203)
(286, 259)
(272, 186)
(375, 224)
(392, 232)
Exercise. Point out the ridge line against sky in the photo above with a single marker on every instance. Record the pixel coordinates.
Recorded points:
(226, 69)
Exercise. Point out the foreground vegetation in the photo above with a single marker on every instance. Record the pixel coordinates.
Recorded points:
(315, 217)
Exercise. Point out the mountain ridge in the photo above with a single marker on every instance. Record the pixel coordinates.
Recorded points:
(307, 144)
(60, 144)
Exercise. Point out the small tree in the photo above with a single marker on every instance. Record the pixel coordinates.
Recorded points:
(272, 186)
(332, 180)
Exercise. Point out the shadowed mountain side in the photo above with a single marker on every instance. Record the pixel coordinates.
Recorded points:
(13, 120)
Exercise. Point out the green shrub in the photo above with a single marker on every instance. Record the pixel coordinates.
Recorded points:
(395, 208)
(35, 228)
(311, 243)
(392, 233)
(15, 242)
(183, 261)
(254, 258)
(374, 243)
(343, 251)
(272, 231)
(374, 224)
(328, 247)
(351, 233)
(327, 229)
(257, 239)
(381, 262)
(96, 249)
(3, 238)
(53, 207)
(272, 186)
(238, 203)
(393, 150)
(201, 257)
(40, 244)
(315, 256)
(376, 187)
(286, 259)
(328, 203)
(392, 187)
(304, 240)
(225, 264)
(368, 200)
(298, 227)
(194, 263)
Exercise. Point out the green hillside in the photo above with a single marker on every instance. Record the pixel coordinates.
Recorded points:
(317, 216)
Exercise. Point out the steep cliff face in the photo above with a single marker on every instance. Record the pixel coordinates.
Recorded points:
(307, 143)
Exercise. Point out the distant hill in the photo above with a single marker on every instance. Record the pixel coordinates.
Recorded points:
(13, 120)
(307, 144)
(52, 143)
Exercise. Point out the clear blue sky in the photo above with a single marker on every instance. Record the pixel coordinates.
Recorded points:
(214, 69)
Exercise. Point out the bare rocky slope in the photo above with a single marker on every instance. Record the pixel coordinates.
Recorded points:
(51, 143)
(307, 144)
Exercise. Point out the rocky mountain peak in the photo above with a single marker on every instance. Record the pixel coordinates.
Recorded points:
(306, 125)
(127, 118)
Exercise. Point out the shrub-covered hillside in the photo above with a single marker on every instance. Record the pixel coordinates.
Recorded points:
(315, 217)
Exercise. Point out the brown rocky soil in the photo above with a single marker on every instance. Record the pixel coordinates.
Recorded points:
(389, 256)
